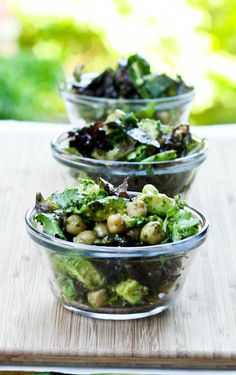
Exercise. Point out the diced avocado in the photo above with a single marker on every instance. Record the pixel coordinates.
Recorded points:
(157, 204)
(97, 298)
(131, 291)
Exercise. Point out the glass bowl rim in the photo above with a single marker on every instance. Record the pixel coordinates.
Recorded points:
(67, 95)
(73, 158)
(176, 247)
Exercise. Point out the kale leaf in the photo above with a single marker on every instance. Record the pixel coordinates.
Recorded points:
(180, 224)
(138, 68)
(101, 209)
(131, 79)
(68, 198)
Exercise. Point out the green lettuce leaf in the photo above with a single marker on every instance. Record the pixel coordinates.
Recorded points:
(162, 156)
(51, 226)
(81, 270)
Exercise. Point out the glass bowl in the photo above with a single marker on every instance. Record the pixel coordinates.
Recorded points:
(158, 272)
(83, 109)
(170, 177)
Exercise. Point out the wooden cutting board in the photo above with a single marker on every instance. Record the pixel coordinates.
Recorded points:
(200, 330)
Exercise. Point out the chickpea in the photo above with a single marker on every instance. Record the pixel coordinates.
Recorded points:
(97, 298)
(101, 230)
(75, 225)
(134, 233)
(136, 208)
(86, 237)
(116, 224)
(152, 233)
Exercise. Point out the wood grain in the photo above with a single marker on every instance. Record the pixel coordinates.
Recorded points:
(200, 330)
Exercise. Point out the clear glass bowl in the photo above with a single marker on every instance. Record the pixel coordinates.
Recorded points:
(170, 177)
(83, 109)
(161, 269)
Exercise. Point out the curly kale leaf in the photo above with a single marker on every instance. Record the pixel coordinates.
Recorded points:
(161, 85)
(181, 225)
(90, 188)
(72, 199)
(101, 209)
(51, 225)
(155, 86)
(68, 198)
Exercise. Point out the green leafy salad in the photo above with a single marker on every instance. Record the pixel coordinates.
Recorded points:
(97, 213)
(123, 137)
(131, 79)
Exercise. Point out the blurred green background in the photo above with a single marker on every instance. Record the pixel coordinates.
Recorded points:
(40, 43)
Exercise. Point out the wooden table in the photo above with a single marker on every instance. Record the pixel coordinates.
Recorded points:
(199, 331)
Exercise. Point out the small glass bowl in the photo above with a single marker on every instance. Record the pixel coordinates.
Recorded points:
(170, 177)
(161, 269)
(84, 109)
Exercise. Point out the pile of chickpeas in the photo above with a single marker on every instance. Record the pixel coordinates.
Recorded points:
(150, 234)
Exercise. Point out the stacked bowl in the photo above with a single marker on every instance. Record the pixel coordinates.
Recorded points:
(119, 244)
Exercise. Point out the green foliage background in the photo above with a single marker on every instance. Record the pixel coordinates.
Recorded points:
(219, 25)
(50, 47)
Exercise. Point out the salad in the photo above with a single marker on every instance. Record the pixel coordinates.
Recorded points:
(99, 214)
(123, 137)
(131, 79)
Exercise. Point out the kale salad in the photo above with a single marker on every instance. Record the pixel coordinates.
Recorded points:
(131, 79)
(123, 137)
(99, 214)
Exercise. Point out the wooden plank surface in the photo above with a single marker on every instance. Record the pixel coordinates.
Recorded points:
(200, 330)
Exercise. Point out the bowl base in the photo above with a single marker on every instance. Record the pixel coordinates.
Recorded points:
(139, 315)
